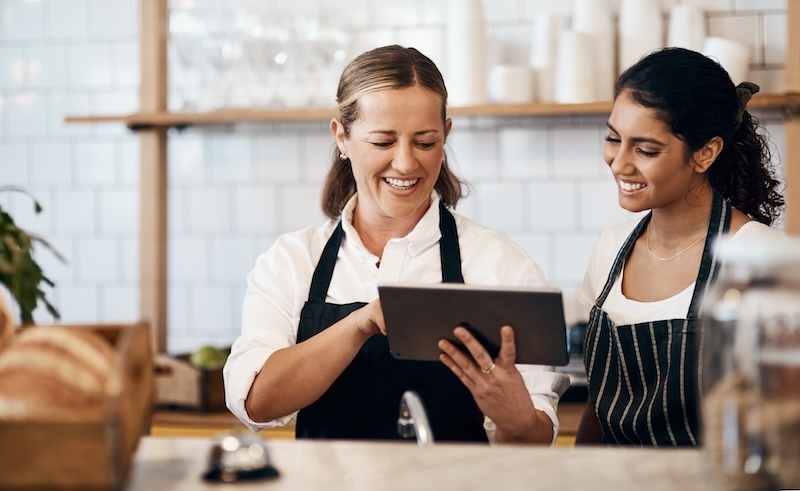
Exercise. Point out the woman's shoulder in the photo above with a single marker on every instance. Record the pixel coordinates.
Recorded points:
(614, 236)
(473, 234)
(489, 257)
(754, 230)
(608, 243)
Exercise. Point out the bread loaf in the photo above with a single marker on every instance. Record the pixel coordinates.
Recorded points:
(55, 373)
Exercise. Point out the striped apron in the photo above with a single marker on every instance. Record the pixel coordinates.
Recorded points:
(644, 379)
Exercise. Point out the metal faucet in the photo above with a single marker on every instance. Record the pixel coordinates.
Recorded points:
(413, 420)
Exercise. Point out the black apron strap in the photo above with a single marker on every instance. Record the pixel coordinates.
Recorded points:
(448, 247)
(324, 271)
(718, 225)
(622, 256)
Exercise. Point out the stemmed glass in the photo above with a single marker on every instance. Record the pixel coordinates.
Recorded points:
(186, 34)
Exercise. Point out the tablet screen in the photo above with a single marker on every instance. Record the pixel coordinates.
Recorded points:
(417, 316)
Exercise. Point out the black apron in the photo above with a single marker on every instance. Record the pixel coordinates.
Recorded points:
(644, 379)
(364, 401)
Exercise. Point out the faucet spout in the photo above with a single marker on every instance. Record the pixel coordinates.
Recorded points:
(413, 420)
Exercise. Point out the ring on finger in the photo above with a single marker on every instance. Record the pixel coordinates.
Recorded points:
(488, 369)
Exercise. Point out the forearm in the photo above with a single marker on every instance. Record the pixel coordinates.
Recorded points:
(294, 377)
(537, 428)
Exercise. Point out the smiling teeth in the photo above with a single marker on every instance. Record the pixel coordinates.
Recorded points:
(630, 186)
(400, 183)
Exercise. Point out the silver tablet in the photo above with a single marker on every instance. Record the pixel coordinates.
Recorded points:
(417, 316)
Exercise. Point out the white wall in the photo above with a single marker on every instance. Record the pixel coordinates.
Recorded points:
(233, 189)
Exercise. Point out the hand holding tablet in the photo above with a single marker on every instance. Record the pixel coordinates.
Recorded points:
(417, 316)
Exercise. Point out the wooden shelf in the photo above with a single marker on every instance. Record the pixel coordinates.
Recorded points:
(786, 102)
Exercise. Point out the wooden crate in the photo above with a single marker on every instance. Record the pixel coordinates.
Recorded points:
(90, 454)
(181, 385)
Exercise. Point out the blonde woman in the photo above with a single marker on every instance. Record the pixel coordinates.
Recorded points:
(313, 340)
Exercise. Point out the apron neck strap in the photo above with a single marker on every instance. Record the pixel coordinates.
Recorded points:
(622, 255)
(324, 271)
(448, 247)
(718, 225)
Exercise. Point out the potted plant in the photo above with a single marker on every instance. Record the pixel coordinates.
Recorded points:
(19, 272)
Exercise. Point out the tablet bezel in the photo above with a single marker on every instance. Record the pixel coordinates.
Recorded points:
(417, 316)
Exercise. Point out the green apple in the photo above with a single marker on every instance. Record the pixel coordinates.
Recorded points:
(208, 357)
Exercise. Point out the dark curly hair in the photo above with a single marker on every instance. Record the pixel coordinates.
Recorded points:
(698, 101)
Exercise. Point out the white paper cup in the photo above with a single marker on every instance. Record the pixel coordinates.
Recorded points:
(511, 84)
(574, 69)
(687, 27)
(546, 29)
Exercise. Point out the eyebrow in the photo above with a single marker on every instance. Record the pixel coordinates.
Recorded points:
(639, 139)
(393, 132)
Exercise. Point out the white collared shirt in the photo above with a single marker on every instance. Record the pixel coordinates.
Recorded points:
(279, 284)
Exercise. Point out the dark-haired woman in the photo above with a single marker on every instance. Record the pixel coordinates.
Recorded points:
(681, 144)
(313, 343)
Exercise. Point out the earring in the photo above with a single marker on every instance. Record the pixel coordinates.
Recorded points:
(342, 156)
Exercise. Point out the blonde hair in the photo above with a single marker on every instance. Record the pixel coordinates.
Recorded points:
(387, 67)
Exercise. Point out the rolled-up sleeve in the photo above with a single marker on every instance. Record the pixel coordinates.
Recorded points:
(268, 324)
(247, 357)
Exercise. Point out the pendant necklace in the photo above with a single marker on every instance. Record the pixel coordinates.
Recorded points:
(647, 243)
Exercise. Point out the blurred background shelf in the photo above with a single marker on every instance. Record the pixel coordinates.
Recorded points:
(789, 102)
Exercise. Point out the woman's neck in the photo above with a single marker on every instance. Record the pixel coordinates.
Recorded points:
(682, 220)
(375, 232)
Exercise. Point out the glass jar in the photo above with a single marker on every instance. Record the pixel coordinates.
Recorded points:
(751, 365)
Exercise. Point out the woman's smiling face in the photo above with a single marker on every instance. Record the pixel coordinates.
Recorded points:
(396, 148)
(651, 165)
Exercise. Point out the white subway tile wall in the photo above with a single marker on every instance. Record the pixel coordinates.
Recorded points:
(46, 67)
(523, 152)
(233, 189)
(66, 19)
(97, 259)
(12, 67)
(14, 164)
(50, 163)
(775, 32)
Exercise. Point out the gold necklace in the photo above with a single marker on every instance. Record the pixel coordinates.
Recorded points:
(647, 242)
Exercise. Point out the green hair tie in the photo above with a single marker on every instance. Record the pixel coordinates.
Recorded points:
(744, 92)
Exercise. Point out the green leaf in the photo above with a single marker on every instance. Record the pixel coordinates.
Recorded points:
(19, 272)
